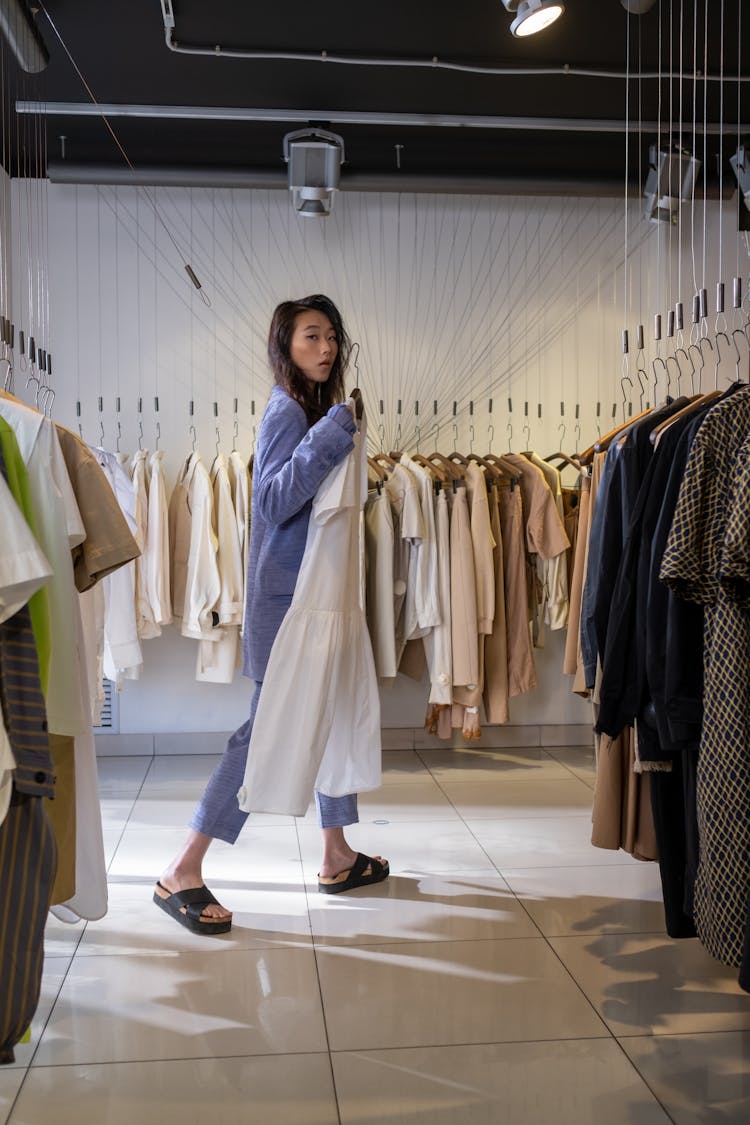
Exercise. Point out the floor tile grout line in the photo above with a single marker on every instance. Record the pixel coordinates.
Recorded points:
(317, 976)
(68, 967)
(543, 936)
(491, 861)
(645, 1082)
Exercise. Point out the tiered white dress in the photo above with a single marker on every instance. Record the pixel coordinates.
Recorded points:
(318, 721)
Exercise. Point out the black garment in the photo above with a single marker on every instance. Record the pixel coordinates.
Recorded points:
(622, 508)
(673, 834)
(622, 675)
(672, 628)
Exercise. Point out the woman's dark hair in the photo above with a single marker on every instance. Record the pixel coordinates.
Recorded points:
(317, 400)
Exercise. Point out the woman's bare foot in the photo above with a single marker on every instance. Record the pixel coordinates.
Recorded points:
(174, 879)
(338, 857)
(184, 872)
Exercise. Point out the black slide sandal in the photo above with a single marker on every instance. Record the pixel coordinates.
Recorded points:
(355, 876)
(194, 902)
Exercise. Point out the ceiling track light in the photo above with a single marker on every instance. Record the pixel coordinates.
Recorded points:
(314, 158)
(533, 15)
(672, 176)
(740, 163)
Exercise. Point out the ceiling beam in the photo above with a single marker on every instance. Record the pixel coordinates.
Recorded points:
(356, 117)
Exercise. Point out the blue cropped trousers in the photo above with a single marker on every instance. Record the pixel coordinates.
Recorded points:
(218, 813)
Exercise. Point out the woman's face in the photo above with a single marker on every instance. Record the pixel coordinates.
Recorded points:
(314, 347)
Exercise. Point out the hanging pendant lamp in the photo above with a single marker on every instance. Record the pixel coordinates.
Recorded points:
(533, 15)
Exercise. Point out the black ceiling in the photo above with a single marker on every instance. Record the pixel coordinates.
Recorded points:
(120, 49)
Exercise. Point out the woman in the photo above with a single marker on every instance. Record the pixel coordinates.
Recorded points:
(306, 430)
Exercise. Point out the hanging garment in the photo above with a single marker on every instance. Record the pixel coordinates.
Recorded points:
(437, 644)
(408, 532)
(496, 643)
(586, 641)
(23, 567)
(573, 636)
(217, 658)
(195, 569)
(545, 536)
(621, 817)
(59, 529)
(239, 482)
(521, 670)
(122, 648)
(90, 898)
(109, 543)
(709, 509)
(61, 811)
(27, 845)
(156, 563)
(423, 571)
(571, 498)
(618, 501)
(7, 768)
(18, 481)
(144, 615)
(464, 627)
(23, 570)
(466, 700)
(317, 726)
(379, 596)
(554, 571)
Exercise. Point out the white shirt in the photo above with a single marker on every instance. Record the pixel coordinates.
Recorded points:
(202, 579)
(239, 480)
(144, 616)
(424, 554)
(379, 598)
(408, 532)
(122, 648)
(23, 567)
(217, 657)
(157, 543)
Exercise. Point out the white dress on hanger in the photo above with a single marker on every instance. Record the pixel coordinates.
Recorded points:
(318, 719)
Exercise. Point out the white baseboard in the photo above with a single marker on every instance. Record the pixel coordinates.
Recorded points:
(394, 738)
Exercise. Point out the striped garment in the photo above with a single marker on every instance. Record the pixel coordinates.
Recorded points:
(28, 853)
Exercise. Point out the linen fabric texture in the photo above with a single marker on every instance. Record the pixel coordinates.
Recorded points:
(318, 721)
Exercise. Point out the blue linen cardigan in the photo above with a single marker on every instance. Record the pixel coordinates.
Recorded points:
(291, 460)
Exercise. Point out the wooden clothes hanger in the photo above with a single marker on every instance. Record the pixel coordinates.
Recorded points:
(384, 459)
(603, 443)
(695, 403)
(431, 467)
(379, 470)
(565, 458)
(449, 467)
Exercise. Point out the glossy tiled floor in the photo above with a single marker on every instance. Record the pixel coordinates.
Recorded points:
(506, 974)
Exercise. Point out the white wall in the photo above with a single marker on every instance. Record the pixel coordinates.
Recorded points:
(490, 303)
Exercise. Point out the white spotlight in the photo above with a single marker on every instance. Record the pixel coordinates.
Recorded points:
(533, 15)
(314, 157)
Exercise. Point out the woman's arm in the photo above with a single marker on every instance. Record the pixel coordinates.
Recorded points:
(292, 461)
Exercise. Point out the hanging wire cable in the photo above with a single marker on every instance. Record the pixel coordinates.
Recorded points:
(721, 144)
(149, 195)
(680, 228)
(626, 217)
